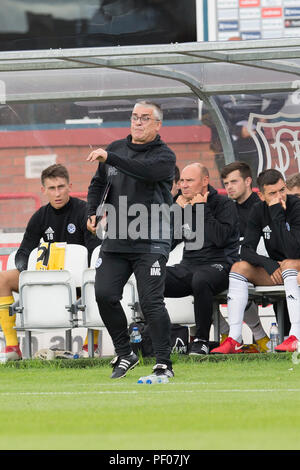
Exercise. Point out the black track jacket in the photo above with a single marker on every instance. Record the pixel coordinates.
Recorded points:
(244, 211)
(281, 232)
(67, 224)
(221, 232)
(140, 174)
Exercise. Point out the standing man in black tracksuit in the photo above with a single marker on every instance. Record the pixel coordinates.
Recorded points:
(139, 171)
(277, 218)
(203, 272)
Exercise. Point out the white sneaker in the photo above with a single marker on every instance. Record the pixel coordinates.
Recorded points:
(84, 352)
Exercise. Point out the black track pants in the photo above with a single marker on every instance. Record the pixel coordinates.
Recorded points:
(111, 277)
(203, 282)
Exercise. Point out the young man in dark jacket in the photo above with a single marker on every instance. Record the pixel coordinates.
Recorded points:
(203, 271)
(237, 180)
(277, 218)
(63, 219)
(137, 174)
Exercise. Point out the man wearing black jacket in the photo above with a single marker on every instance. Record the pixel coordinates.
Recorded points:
(237, 180)
(63, 219)
(203, 271)
(136, 172)
(277, 218)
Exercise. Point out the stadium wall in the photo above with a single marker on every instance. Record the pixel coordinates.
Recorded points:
(71, 147)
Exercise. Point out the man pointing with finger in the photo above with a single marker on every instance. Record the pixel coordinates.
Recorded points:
(138, 170)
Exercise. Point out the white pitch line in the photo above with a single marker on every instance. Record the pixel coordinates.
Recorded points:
(68, 393)
(149, 389)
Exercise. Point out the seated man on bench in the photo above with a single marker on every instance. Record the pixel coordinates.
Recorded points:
(63, 219)
(277, 218)
(203, 271)
(237, 180)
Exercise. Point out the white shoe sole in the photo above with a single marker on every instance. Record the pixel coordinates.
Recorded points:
(198, 354)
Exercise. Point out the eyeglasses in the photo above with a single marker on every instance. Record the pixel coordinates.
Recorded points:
(143, 119)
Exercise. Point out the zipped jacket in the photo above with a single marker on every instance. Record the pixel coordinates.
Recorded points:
(141, 178)
(280, 230)
(67, 224)
(221, 232)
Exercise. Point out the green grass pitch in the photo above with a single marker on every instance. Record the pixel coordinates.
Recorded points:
(239, 402)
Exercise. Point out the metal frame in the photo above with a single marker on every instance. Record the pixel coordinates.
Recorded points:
(18, 308)
(279, 58)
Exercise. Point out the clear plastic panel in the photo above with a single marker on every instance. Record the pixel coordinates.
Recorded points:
(263, 128)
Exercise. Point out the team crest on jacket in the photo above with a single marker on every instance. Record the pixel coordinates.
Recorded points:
(187, 231)
(71, 228)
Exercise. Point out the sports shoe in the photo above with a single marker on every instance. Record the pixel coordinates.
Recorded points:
(230, 346)
(198, 347)
(288, 345)
(50, 354)
(160, 374)
(250, 348)
(11, 353)
(122, 364)
(263, 344)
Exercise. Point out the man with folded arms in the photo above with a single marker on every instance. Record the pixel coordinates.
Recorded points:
(277, 218)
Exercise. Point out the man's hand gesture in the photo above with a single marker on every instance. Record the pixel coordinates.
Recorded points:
(99, 155)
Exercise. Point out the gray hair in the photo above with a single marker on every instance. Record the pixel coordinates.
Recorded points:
(156, 108)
